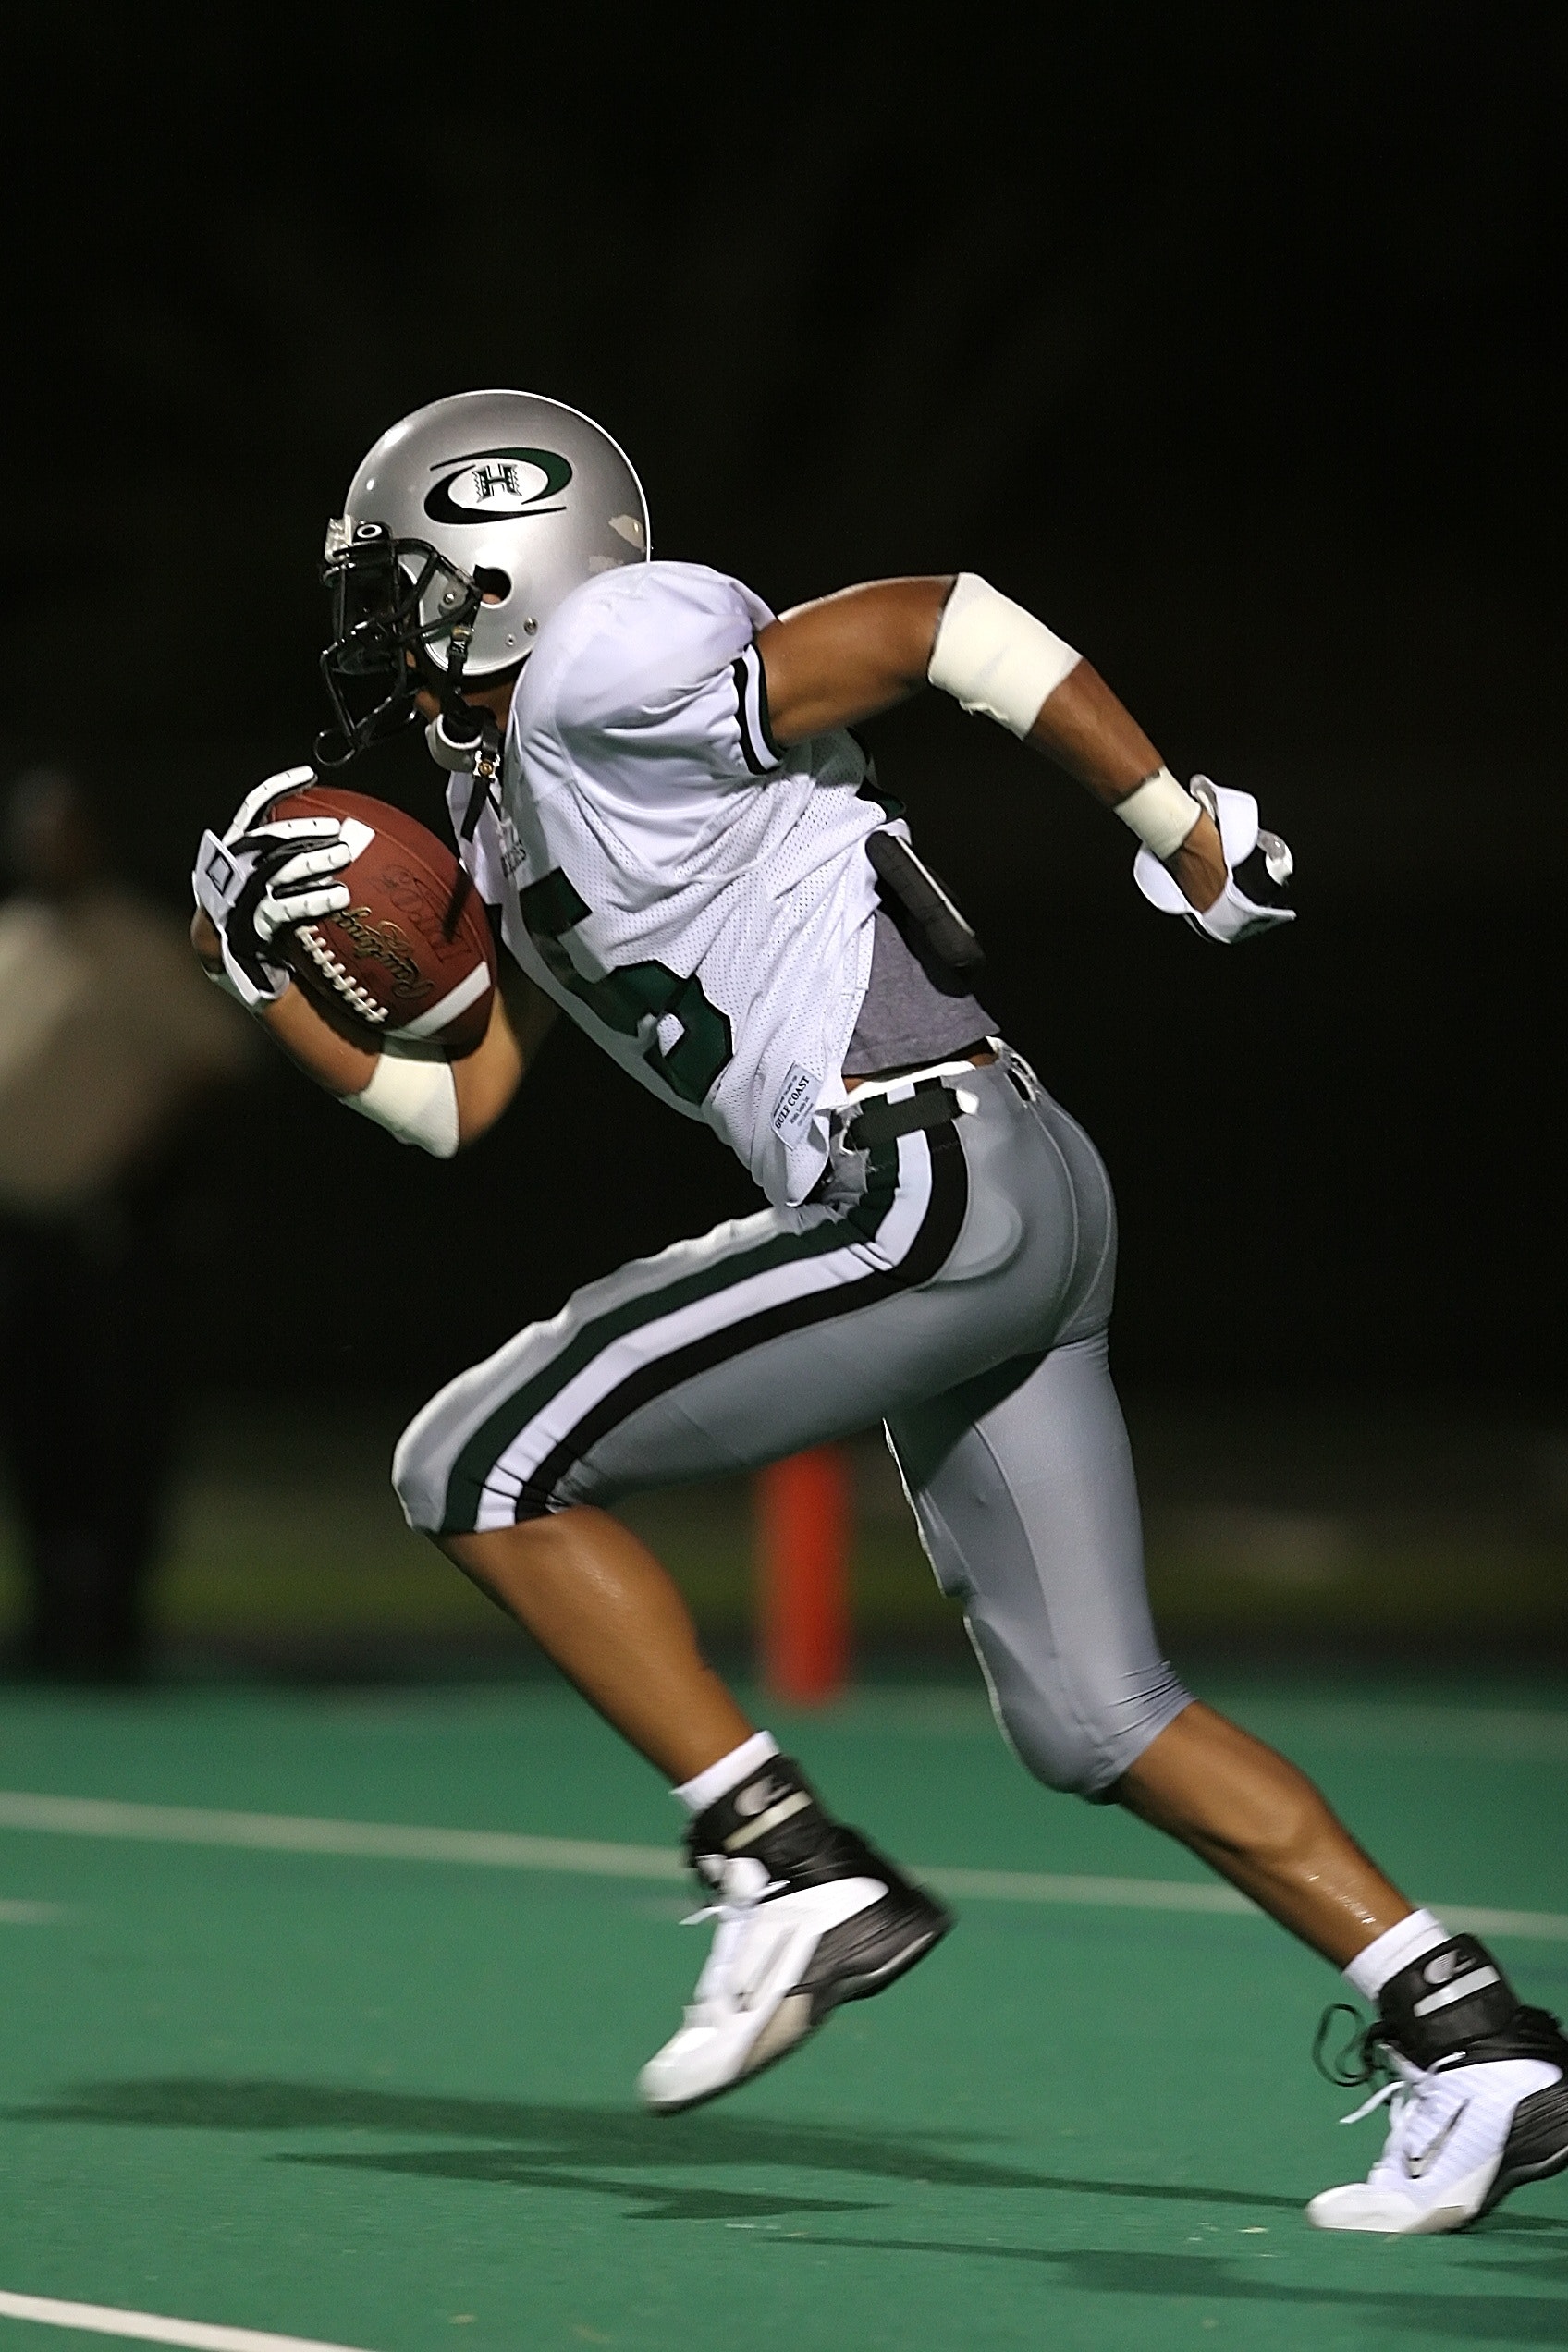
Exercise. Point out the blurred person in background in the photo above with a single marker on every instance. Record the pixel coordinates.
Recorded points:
(106, 1040)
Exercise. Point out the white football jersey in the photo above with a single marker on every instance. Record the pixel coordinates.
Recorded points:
(697, 900)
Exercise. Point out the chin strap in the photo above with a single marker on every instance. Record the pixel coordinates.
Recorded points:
(468, 742)
(486, 777)
(463, 741)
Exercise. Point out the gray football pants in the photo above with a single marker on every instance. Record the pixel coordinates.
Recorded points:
(955, 1282)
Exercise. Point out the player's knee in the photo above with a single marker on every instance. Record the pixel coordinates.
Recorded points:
(1077, 1737)
(1058, 1755)
(1051, 1742)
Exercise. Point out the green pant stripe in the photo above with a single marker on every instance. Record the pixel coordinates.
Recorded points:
(490, 1440)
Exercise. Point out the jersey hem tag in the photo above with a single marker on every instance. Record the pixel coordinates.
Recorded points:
(791, 1113)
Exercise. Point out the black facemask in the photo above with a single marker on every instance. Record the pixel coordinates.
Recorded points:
(379, 656)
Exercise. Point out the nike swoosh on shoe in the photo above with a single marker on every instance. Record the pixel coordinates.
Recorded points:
(1416, 2165)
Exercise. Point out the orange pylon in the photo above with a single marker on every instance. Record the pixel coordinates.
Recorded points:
(802, 1528)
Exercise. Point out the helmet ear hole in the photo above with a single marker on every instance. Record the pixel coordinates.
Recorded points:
(494, 586)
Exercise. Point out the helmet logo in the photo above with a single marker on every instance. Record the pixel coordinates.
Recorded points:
(494, 486)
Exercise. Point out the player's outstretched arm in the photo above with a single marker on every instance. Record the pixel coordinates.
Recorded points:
(483, 1083)
(848, 656)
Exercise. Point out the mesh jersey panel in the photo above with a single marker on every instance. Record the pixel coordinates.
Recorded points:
(699, 901)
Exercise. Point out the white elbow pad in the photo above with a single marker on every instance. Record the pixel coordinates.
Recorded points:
(415, 1101)
(994, 657)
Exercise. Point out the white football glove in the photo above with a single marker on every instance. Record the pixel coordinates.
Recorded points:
(1257, 867)
(257, 879)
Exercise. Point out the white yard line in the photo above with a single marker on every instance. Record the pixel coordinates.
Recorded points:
(505, 1850)
(302, 1833)
(151, 2327)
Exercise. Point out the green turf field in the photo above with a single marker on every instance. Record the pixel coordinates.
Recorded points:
(386, 2102)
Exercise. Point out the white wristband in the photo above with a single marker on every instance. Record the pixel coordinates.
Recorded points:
(1160, 813)
(994, 657)
(416, 1101)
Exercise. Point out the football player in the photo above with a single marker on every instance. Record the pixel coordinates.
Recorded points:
(653, 784)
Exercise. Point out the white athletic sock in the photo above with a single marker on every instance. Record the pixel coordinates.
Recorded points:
(719, 1779)
(1371, 1969)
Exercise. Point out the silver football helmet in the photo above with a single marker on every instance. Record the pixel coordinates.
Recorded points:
(465, 526)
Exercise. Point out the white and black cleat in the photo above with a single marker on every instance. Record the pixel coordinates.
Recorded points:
(809, 1916)
(1478, 2099)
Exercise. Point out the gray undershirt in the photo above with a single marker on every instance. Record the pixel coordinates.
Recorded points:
(915, 1010)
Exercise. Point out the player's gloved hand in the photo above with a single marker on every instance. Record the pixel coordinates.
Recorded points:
(256, 878)
(1257, 868)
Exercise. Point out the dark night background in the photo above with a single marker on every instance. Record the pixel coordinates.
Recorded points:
(1227, 339)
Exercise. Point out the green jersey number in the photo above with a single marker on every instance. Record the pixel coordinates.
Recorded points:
(635, 998)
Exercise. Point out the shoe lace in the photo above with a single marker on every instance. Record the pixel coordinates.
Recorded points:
(735, 1911)
(1404, 2085)
(1362, 2058)
(1398, 2096)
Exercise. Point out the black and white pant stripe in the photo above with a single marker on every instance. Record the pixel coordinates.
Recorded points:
(530, 1416)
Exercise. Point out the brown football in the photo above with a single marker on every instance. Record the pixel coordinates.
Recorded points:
(411, 955)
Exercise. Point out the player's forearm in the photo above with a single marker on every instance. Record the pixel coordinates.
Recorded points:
(848, 656)
(325, 1053)
(520, 1018)
(337, 1063)
(997, 659)
(481, 1083)
(1084, 727)
(423, 1099)
(441, 1105)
